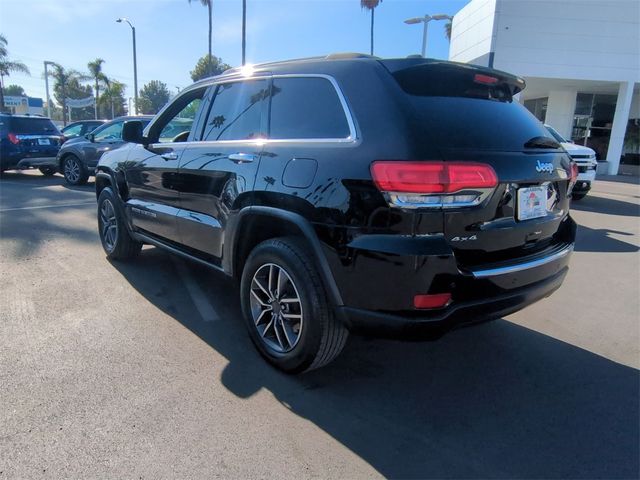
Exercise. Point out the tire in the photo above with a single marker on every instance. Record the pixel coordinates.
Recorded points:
(310, 336)
(114, 235)
(74, 171)
(578, 196)
(48, 171)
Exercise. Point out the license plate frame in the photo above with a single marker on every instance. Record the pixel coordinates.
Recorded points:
(44, 141)
(532, 202)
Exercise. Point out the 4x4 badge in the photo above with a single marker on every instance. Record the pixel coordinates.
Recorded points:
(544, 167)
(464, 239)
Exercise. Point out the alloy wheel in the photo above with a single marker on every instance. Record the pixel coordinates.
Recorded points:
(276, 308)
(72, 170)
(108, 225)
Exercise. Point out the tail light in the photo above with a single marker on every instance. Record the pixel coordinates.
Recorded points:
(433, 184)
(13, 138)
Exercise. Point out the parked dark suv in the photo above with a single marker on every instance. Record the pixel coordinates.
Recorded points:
(402, 197)
(28, 141)
(78, 157)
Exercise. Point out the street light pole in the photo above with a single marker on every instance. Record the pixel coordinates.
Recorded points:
(244, 31)
(46, 86)
(424, 36)
(425, 20)
(135, 64)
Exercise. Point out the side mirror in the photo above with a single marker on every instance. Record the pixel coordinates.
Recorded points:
(90, 136)
(132, 132)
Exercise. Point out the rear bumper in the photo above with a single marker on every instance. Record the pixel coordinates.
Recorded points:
(436, 323)
(379, 279)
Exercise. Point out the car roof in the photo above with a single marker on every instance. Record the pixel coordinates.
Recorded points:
(331, 62)
(26, 115)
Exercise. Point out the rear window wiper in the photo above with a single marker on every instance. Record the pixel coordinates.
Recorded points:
(541, 142)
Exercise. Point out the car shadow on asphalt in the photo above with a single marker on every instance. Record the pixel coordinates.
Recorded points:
(42, 180)
(600, 240)
(607, 206)
(492, 401)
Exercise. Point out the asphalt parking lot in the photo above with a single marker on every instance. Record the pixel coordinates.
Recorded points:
(145, 370)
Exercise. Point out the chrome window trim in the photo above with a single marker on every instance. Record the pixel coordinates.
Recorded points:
(275, 141)
(523, 266)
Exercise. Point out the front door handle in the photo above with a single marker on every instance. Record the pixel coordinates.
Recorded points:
(242, 157)
(170, 156)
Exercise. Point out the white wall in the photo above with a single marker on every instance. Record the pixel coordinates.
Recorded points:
(472, 32)
(577, 39)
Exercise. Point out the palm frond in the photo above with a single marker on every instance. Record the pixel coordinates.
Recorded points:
(369, 4)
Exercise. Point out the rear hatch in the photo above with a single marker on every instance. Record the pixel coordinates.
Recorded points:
(34, 136)
(470, 115)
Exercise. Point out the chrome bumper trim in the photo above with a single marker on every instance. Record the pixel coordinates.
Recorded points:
(492, 272)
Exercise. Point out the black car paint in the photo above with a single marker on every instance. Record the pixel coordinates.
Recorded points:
(89, 151)
(373, 258)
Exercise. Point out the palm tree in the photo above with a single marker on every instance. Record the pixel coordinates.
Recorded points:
(95, 70)
(209, 5)
(62, 78)
(8, 66)
(113, 93)
(371, 6)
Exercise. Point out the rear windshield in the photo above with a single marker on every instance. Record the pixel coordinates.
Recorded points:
(457, 112)
(31, 126)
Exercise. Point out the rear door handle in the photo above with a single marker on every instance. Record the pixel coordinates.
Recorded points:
(242, 157)
(170, 156)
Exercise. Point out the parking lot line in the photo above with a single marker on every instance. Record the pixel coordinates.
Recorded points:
(46, 206)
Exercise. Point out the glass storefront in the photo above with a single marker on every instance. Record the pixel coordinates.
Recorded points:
(593, 120)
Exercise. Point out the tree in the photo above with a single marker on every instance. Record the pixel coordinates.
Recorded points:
(207, 67)
(447, 30)
(153, 96)
(8, 66)
(113, 100)
(95, 70)
(66, 84)
(209, 5)
(14, 90)
(371, 6)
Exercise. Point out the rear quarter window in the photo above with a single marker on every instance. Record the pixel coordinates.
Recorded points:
(306, 108)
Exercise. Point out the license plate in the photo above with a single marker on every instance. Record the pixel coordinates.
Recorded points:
(532, 202)
(44, 141)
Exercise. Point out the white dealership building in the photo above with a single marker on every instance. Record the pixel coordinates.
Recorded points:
(579, 58)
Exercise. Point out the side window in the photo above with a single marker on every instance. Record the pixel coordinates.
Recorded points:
(236, 112)
(73, 131)
(177, 120)
(181, 123)
(112, 132)
(306, 107)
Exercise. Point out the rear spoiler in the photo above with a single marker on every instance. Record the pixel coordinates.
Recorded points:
(441, 69)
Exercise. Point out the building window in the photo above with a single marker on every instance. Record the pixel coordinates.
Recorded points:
(537, 106)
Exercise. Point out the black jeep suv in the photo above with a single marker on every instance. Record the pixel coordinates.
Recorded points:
(349, 193)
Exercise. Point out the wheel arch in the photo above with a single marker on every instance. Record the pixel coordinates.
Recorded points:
(107, 178)
(253, 225)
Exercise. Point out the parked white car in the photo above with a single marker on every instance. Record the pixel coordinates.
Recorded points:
(585, 157)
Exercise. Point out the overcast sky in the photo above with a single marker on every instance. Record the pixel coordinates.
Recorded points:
(172, 34)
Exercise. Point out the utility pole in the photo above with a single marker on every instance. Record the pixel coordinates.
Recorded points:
(46, 86)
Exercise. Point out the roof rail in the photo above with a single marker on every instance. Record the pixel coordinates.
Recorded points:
(331, 56)
(348, 55)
